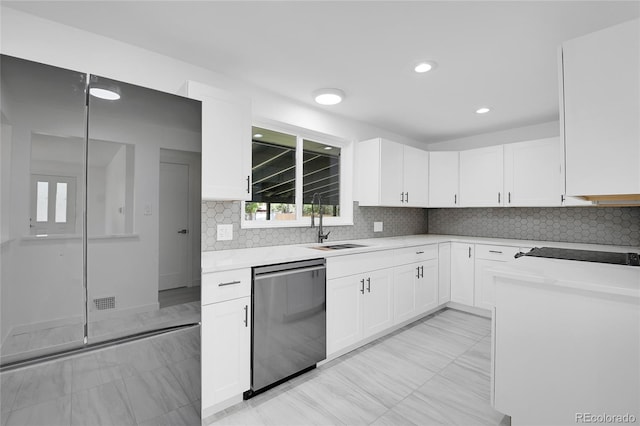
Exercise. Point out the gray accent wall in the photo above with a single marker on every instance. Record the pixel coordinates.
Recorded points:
(597, 225)
(396, 221)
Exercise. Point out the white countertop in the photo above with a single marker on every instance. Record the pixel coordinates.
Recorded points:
(214, 261)
(604, 278)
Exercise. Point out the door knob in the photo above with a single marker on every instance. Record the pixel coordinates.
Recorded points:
(183, 231)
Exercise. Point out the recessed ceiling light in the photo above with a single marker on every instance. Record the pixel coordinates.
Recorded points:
(328, 96)
(258, 135)
(483, 110)
(109, 95)
(425, 66)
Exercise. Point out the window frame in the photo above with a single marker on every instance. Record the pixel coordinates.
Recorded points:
(346, 179)
(51, 227)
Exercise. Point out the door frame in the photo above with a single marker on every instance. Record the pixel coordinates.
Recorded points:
(193, 160)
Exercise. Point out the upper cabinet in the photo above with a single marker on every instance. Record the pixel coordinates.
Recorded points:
(533, 173)
(481, 177)
(601, 109)
(226, 143)
(391, 174)
(443, 179)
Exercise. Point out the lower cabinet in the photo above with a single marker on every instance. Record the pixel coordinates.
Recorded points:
(358, 306)
(415, 289)
(226, 349)
(488, 256)
(462, 276)
(444, 273)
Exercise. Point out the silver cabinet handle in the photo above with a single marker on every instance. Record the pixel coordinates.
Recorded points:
(362, 289)
(422, 271)
(369, 285)
(417, 272)
(509, 197)
(402, 197)
(469, 252)
(455, 198)
(183, 231)
(246, 315)
(229, 283)
(498, 198)
(407, 197)
(419, 252)
(248, 184)
(495, 251)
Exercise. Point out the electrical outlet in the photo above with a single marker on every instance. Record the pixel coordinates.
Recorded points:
(224, 232)
(377, 226)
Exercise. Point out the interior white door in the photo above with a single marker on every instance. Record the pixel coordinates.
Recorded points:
(174, 221)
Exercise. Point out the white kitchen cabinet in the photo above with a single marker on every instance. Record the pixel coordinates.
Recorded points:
(358, 306)
(481, 177)
(415, 282)
(600, 107)
(443, 179)
(226, 348)
(444, 273)
(462, 273)
(391, 174)
(488, 256)
(226, 142)
(533, 173)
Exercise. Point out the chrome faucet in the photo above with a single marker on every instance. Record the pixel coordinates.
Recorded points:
(321, 236)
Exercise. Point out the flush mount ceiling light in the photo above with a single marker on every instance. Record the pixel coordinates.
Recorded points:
(328, 96)
(110, 95)
(425, 66)
(483, 110)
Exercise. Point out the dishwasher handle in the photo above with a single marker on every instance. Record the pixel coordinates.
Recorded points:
(288, 272)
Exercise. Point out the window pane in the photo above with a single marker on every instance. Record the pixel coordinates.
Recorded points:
(273, 176)
(61, 202)
(42, 202)
(321, 175)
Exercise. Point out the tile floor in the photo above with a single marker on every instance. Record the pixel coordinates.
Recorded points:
(435, 371)
(153, 381)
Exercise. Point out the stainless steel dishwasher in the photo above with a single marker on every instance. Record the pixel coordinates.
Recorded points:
(288, 336)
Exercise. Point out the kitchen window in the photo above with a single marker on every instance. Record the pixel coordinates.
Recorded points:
(289, 167)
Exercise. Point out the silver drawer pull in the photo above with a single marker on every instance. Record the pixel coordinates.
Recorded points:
(495, 251)
(419, 252)
(229, 283)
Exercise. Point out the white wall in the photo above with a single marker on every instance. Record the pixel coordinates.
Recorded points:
(519, 134)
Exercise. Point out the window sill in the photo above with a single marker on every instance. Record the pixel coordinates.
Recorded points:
(292, 224)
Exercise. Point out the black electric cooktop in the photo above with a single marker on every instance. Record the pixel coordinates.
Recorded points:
(585, 255)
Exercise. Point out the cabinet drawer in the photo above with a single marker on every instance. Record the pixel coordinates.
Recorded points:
(407, 255)
(226, 285)
(342, 266)
(503, 253)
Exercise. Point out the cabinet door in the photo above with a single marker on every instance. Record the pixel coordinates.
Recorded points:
(391, 173)
(344, 312)
(427, 286)
(226, 143)
(601, 110)
(533, 173)
(443, 179)
(226, 345)
(377, 311)
(416, 177)
(481, 177)
(462, 273)
(444, 273)
(404, 292)
(484, 287)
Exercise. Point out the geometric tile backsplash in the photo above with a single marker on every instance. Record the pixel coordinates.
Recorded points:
(396, 221)
(597, 225)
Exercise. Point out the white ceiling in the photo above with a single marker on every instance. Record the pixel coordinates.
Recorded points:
(501, 54)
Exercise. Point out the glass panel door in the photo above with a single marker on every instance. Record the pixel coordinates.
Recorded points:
(41, 187)
(143, 210)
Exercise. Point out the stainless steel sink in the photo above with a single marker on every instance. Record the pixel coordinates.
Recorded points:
(338, 246)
